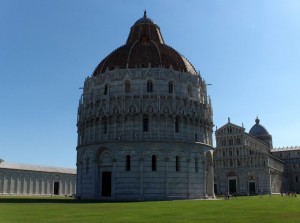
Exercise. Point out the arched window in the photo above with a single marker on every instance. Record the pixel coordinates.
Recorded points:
(171, 87)
(154, 159)
(177, 124)
(105, 89)
(128, 163)
(196, 165)
(145, 124)
(149, 86)
(127, 86)
(177, 163)
(104, 125)
(224, 142)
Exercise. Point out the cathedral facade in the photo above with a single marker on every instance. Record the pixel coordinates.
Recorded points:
(144, 124)
(246, 163)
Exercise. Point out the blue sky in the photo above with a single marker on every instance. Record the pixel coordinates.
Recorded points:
(248, 50)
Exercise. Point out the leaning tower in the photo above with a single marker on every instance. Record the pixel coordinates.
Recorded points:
(144, 124)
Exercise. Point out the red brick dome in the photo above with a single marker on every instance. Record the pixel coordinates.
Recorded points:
(145, 47)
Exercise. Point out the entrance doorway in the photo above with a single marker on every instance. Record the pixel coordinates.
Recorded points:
(232, 186)
(215, 188)
(106, 184)
(56, 188)
(251, 187)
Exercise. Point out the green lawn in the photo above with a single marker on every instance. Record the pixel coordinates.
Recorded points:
(240, 209)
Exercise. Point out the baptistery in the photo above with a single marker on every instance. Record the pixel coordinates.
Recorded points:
(144, 124)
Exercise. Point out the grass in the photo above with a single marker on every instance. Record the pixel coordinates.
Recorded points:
(240, 209)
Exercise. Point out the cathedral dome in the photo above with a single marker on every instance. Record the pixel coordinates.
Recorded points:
(258, 129)
(145, 47)
(261, 133)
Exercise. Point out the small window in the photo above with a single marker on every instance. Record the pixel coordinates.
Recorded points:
(171, 87)
(104, 125)
(105, 89)
(87, 165)
(145, 124)
(176, 124)
(177, 163)
(128, 163)
(149, 86)
(127, 86)
(296, 179)
(196, 137)
(154, 159)
(190, 92)
(196, 165)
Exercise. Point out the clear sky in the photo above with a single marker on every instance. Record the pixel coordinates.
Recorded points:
(248, 50)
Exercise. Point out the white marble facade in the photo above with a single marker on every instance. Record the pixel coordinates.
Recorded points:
(244, 164)
(291, 158)
(177, 125)
(144, 130)
(26, 179)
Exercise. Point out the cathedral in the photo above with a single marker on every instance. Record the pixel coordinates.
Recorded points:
(247, 164)
(144, 124)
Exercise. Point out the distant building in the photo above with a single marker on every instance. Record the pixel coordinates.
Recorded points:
(26, 179)
(144, 124)
(291, 158)
(244, 163)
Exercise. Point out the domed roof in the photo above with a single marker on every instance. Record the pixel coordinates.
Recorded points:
(145, 47)
(258, 130)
